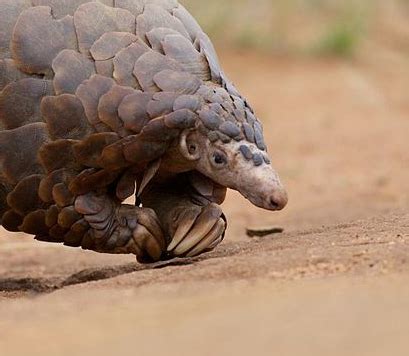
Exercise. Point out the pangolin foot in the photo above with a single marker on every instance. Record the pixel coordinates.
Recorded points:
(120, 228)
(197, 230)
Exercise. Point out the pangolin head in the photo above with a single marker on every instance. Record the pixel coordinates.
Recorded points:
(228, 147)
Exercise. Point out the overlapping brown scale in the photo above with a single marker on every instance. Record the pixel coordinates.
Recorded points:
(206, 92)
(180, 119)
(88, 152)
(191, 102)
(71, 68)
(229, 87)
(161, 104)
(90, 93)
(9, 10)
(239, 115)
(47, 184)
(58, 154)
(80, 226)
(11, 221)
(124, 63)
(140, 152)
(105, 68)
(51, 215)
(61, 8)
(113, 156)
(34, 223)
(65, 117)
(20, 102)
(159, 131)
(92, 179)
(258, 136)
(157, 35)
(230, 129)
(155, 16)
(168, 5)
(238, 103)
(207, 48)
(133, 111)
(150, 64)
(217, 108)
(108, 108)
(68, 217)
(18, 151)
(110, 43)
(210, 119)
(73, 238)
(90, 27)
(9, 72)
(126, 185)
(24, 198)
(88, 242)
(135, 7)
(62, 195)
(38, 38)
(182, 50)
(177, 81)
(249, 132)
(191, 25)
(55, 234)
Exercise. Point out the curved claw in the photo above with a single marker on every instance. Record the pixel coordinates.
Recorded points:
(188, 218)
(198, 229)
(147, 243)
(209, 216)
(209, 242)
(150, 221)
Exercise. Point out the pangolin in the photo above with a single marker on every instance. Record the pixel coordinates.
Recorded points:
(104, 100)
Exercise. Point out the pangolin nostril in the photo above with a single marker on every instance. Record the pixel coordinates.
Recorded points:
(278, 200)
(274, 205)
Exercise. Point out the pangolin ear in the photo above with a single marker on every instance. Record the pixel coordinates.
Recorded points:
(189, 145)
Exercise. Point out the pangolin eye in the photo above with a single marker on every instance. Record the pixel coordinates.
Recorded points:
(219, 159)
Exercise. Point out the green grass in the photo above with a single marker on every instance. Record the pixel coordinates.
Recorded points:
(308, 27)
(340, 40)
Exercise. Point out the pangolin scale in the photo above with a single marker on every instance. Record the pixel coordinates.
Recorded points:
(103, 100)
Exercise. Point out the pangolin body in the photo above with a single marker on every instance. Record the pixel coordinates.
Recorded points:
(92, 94)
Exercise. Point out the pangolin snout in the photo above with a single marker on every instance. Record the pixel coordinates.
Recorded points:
(278, 199)
(263, 188)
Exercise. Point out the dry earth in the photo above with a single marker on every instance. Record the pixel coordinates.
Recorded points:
(335, 282)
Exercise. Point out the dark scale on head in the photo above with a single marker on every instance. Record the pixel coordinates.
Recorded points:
(246, 152)
(230, 129)
(248, 132)
(258, 159)
(228, 117)
(210, 119)
(258, 135)
(267, 160)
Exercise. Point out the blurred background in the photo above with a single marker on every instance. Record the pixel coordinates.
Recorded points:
(329, 79)
(306, 27)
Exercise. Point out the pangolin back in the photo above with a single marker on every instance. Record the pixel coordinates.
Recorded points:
(90, 88)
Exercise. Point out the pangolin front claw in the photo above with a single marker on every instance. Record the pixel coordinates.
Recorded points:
(121, 228)
(199, 229)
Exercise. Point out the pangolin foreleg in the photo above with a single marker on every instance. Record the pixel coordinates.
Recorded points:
(121, 228)
(193, 226)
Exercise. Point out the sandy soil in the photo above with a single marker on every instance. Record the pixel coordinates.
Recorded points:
(335, 282)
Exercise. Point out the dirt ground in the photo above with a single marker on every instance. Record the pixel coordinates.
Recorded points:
(335, 282)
